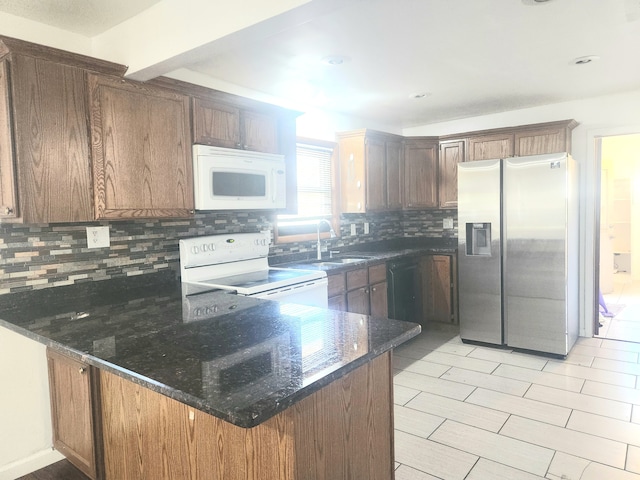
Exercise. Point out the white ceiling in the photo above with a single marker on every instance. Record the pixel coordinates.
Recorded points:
(471, 57)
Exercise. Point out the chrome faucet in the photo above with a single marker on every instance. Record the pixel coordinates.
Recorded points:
(331, 232)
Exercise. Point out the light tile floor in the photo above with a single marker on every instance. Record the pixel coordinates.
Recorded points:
(626, 324)
(478, 413)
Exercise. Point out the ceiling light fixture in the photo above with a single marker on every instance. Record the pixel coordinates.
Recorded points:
(419, 95)
(335, 60)
(535, 2)
(584, 60)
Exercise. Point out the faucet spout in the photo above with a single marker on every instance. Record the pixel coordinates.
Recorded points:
(332, 233)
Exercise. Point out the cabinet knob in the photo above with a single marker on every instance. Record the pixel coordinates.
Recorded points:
(82, 370)
(238, 145)
(246, 147)
(373, 289)
(7, 210)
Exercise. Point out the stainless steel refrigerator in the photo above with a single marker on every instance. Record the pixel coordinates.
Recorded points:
(518, 252)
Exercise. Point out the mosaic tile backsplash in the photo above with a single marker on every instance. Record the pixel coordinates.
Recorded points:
(42, 256)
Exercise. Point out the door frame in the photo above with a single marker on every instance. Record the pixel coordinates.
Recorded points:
(591, 195)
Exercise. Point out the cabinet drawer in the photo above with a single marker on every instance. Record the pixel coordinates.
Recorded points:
(357, 278)
(336, 285)
(378, 273)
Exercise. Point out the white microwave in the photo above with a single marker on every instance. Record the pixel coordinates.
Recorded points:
(228, 179)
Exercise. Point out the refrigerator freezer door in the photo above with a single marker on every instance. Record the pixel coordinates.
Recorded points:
(479, 264)
(535, 256)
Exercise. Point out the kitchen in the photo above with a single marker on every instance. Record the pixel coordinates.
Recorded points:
(138, 245)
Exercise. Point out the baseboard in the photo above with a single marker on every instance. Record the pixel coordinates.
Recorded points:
(29, 464)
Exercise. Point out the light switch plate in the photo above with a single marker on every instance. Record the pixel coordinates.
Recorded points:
(98, 237)
(366, 228)
(447, 222)
(353, 229)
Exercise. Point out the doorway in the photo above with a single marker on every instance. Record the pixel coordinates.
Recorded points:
(619, 276)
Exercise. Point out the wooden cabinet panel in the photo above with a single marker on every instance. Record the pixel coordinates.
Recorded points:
(376, 190)
(51, 141)
(357, 278)
(338, 302)
(74, 412)
(438, 279)
(358, 301)
(394, 178)
(259, 131)
(421, 174)
(451, 153)
(378, 300)
(141, 149)
(490, 146)
(8, 193)
(336, 284)
(216, 124)
(371, 171)
(540, 141)
(151, 436)
(223, 125)
(378, 273)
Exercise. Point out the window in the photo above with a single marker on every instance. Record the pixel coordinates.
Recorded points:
(315, 193)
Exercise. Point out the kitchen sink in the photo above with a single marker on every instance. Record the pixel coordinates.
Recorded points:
(343, 260)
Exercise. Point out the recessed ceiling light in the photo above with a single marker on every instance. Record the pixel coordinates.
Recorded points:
(584, 60)
(419, 95)
(535, 2)
(336, 60)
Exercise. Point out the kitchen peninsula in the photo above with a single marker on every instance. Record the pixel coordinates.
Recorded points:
(212, 385)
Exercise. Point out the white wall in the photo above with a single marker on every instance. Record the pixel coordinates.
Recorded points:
(597, 117)
(25, 415)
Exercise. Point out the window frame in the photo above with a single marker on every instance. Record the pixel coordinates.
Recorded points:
(334, 219)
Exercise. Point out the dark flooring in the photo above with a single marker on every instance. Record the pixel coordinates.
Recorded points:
(62, 470)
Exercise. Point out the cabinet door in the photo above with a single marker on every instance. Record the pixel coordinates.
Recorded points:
(393, 161)
(437, 288)
(73, 412)
(540, 141)
(376, 183)
(490, 146)
(451, 153)
(358, 301)
(259, 132)
(378, 300)
(420, 174)
(8, 194)
(51, 141)
(216, 124)
(141, 150)
(339, 302)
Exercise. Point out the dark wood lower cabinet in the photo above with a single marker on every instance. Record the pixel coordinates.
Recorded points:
(438, 286)
(342, 431)
(75, 412)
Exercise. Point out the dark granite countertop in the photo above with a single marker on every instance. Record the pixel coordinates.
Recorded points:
(237, 358)
(371, 254)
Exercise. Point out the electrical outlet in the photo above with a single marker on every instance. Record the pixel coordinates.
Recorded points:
(447, 223)
(98, 237)
(353, 229)
(366, 228)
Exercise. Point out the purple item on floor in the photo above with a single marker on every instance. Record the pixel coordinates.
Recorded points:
(603, 307)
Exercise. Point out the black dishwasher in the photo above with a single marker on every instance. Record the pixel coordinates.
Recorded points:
(402, 290)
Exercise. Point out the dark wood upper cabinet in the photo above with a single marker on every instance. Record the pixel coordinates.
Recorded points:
(486, 147)
(141, 146)
(548, 138)
(371, 177)
(421, 173)
(451, 153)
(47, 120)
(224, 125)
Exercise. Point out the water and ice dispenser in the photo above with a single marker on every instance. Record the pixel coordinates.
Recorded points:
(478, 239)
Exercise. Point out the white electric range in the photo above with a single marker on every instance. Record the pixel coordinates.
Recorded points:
(239, 262)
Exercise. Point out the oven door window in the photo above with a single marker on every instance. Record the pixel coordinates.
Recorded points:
(235, 184)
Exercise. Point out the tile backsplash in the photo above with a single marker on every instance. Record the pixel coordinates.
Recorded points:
(41, 256)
